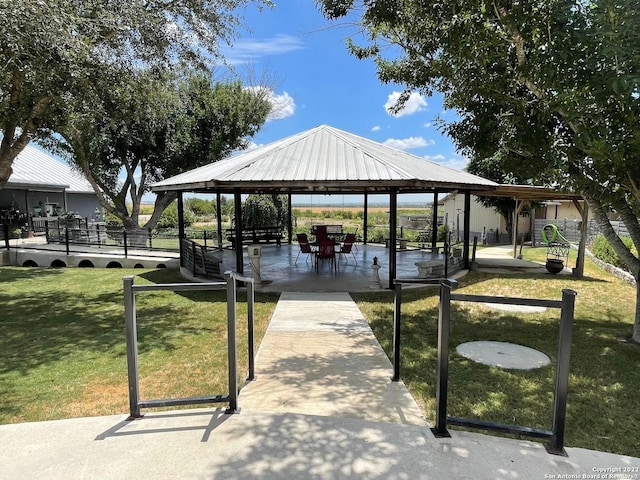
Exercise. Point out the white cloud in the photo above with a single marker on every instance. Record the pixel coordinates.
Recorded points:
(247, 50)
(251, 146)
(439, 158)
(414, 104)
(407, 143)
(282, 105)
(427, 125)
(376, 128)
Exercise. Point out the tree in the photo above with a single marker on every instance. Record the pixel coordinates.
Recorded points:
(55, 51)
(555, 83)
(153, 126)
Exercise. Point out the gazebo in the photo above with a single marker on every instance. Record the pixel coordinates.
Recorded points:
(326, 160)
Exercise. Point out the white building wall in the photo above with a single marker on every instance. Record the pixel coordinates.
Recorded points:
(483, 220)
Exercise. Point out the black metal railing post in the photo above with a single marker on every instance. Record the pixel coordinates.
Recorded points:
(132, 347)
(193, 255)
(446, 259)
(250, 334)
(397, 314)
(150, 239)
(231, 343)
(444, 320)
(66, 239)
(556, 445)
(124, 240)
(5, 231)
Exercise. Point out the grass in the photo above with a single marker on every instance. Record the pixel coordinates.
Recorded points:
(603, 400)
(62, 344)
(62, 348)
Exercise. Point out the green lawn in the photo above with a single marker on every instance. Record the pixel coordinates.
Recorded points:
(62, 348)
(62, 344)
(604, 398)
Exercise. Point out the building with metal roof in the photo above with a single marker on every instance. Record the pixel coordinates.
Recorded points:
(40, 185)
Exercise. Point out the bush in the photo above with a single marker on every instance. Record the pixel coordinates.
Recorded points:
(259, 211)
(377, 235)
(169, 218)
(443, 233)
(602, 249)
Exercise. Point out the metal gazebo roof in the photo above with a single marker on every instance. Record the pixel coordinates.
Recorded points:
(324, 160)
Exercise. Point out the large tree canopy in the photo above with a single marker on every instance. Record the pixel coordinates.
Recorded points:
(549, 88)
(153, 126)
(56, 50)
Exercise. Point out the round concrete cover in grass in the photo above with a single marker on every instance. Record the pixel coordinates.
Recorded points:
(503, 355)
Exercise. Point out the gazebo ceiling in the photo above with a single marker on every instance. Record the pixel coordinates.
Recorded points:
(324, 160)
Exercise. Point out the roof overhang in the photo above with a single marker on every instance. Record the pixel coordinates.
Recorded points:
(529, 192)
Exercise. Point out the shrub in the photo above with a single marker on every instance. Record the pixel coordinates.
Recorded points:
(602, 249)
(169, 218)
(443, 233)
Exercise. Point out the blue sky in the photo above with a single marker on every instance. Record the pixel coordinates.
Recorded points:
(317, 81)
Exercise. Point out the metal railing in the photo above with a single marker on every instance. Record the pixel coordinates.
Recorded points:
(555, 436)
(230, 397)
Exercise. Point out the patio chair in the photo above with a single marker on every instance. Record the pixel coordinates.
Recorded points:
(305, 246)
(326, 251)
(347, 247)
(355, 238)
(320, 232)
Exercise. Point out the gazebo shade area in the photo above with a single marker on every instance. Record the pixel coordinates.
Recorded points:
(325, 160)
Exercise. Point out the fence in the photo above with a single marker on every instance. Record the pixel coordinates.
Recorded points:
(80, 235)
(230, 397)
(566, 305)
(570, 229)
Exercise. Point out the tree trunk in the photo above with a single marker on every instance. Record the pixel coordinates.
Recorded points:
(620, 248)
(636, 324)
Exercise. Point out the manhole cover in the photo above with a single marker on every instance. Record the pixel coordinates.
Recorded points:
(503, 355)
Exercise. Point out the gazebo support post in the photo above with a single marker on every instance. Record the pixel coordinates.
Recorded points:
(434, 222)
(237, 209)
(393, 214)
(365, 219)
(584, 230)
(289, 218)
(516, 217)
(467, 228)
(219, 218)
(180, 225)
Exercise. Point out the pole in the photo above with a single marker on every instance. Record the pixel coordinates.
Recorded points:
(132, 347)
(444, 317)
(250, 333)
(393, 213)
(231, 344)
(397, 313)
(560, 395)
(237, 208)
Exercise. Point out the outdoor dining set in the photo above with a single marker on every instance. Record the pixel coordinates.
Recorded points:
(329, 242)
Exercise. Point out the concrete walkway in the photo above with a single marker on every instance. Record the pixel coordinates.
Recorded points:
(320, 357)
(322, 407)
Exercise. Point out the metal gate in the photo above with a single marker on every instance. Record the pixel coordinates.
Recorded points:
(232, 280)
(555, 436)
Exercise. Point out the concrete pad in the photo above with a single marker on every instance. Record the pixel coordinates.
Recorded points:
(503, 355)
(207, 444)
